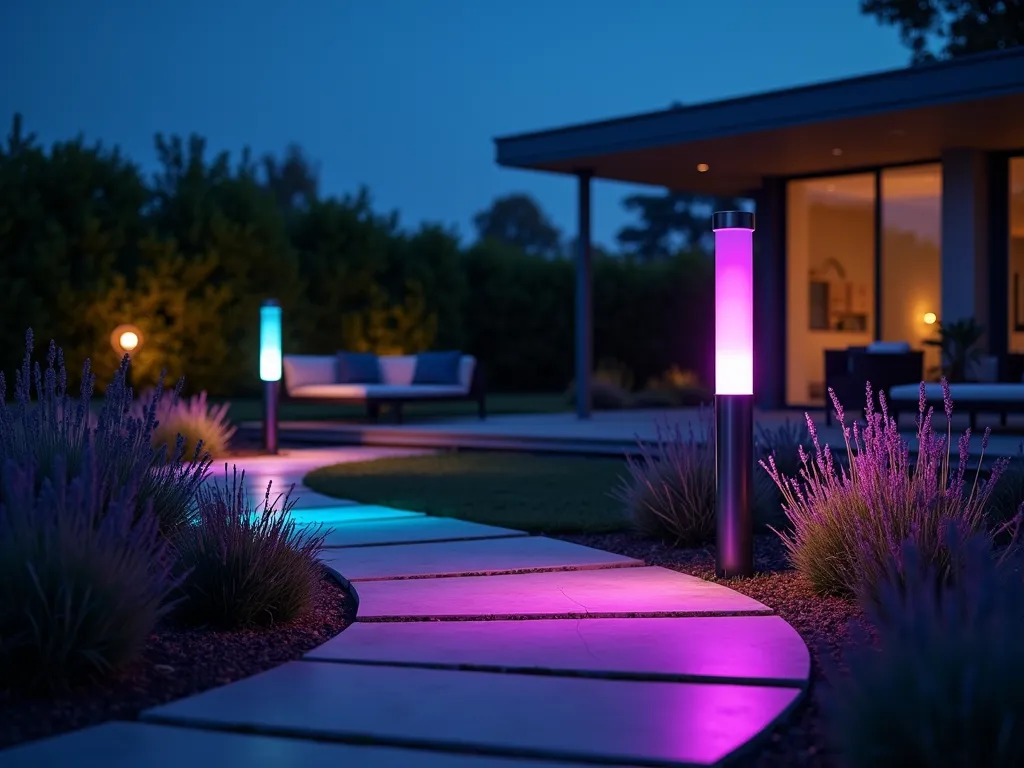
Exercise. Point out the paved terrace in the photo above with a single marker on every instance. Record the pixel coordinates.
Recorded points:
(607, 432)
(479, 647)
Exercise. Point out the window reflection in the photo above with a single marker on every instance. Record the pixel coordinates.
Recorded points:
(912, 257)
(1016, 254)
(830, 232)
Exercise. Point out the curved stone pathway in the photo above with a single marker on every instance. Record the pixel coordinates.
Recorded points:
(481, 647)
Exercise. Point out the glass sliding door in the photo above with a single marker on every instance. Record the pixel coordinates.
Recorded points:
(1016, 254)
(911, 258)
(830, 252)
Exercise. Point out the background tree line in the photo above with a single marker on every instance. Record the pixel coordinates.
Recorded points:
(187, 254)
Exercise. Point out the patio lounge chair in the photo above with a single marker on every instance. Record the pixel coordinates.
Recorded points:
(972, 397)
(390, 380)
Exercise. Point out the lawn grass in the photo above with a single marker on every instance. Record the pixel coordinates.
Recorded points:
(251, 409)
(539, 494)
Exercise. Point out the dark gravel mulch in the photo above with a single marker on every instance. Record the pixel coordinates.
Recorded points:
(823, 623)
(177, 662)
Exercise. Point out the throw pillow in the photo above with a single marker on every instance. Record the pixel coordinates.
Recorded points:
(437, 368)
(358, 368)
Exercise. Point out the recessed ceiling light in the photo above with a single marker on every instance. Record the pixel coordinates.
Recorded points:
(702, 167)
(837, 152)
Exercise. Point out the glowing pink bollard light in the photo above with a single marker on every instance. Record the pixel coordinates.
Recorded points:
(734, 391)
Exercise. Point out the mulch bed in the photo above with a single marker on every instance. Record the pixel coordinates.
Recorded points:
(176, 663)
(822, 622)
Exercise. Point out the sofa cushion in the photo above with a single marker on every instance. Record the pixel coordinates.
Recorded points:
(376, 391)
(397, 370)
(358, 368)
(300, 370)
(437, 368)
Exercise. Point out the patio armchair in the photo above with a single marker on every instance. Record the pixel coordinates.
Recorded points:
(884, 365)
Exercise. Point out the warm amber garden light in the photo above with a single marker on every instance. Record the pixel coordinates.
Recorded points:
(126, 339)
(129, 340)
(929, 318)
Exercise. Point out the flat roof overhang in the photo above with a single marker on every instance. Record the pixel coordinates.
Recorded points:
(892, 118)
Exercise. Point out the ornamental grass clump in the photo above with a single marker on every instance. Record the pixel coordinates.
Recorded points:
(196, 422)
(940, 686)
(85, 574)
(784, 443)
(669, 489)
(1008, 492)
(850, 517)
(247, 565)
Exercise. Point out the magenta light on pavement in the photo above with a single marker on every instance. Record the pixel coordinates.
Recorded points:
(734, 310)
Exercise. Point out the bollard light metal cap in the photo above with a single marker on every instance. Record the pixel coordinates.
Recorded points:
(732, 220)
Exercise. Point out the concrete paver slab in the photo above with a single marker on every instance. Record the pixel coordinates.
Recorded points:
(618, 591)
(138, 745)
(564, 718)
(311, 499)
(465, 557)
(413, 530)
(346, 514)
(740, 648)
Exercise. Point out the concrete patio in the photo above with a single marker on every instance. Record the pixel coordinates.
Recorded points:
(561, 655)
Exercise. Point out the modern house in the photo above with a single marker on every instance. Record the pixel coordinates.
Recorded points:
(884, 203)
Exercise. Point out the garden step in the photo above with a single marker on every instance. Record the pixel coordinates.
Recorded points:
(413, 530)
(132, 745)
(453, 558)
(624, 721)
(758, 649)
(582, 593)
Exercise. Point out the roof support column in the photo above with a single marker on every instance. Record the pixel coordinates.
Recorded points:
(584, 300)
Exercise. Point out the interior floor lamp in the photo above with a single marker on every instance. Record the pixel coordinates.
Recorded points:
(734, 392)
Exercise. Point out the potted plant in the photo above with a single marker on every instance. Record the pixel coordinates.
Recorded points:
(958, 342)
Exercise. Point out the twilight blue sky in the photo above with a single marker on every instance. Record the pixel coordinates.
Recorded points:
(405, 96)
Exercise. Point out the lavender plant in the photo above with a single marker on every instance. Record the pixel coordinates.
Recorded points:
(850, 517)
(669, 490)
(85, 574)
(54, 432)
(941, 686)
(194, 420)
(246, 566)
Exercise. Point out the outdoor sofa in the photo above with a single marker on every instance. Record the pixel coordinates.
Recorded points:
(970, 397)
(390, 380)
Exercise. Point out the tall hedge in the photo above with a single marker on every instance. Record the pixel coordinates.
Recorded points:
(87, 242)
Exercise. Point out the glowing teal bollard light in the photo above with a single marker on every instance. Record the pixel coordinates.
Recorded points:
(270, 369)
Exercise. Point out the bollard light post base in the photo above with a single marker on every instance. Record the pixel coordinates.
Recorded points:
(734, 476)
(270, 398)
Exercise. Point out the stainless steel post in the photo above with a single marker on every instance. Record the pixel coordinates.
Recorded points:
(734, 497)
